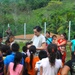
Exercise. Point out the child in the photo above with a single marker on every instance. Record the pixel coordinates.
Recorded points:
(31, 61)
(15, 68)
(11, 39)
(50, 65)
(28, 44)
(42, 54)
(1, 64)
(63, 52)
(24, 52)
(5, 50)
(54, 41)
(7, 42)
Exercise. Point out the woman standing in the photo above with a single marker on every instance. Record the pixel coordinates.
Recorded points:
(62, 42)
(38, 40)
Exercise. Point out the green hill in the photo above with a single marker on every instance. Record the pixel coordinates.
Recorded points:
(55, 13)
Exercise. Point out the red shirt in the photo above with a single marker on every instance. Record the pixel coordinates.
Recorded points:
(61, 41)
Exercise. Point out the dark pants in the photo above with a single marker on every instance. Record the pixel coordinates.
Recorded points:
(73, 55)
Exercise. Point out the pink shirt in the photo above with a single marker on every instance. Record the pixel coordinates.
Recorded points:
(17, 70)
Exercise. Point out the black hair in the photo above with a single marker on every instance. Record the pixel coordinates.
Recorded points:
(17, 59)
(48, 32)
(5, 48)
(24, 48)
(59, 55)
(28, 43)
(7, 41)
(38, 28)
(11, 36)
(32, 51)
(52, 49)
(64, 34)
(54, 36)
(42, 54)
(15, 47)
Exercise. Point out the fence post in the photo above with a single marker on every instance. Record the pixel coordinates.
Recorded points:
(24, 30)
(8, 25)
(69, 30)
(3, 31)
(44, 28)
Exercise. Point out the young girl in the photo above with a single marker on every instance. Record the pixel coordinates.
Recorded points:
(50, 65)
(42, 54)
(31, 61)
(15, 68)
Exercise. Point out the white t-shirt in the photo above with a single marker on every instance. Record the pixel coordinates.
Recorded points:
(37, 66)
(38, 40)
(48, 69)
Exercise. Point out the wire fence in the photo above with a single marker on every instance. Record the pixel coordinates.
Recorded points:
(20, 30)
(25, 29)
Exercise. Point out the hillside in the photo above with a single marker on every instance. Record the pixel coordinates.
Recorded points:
(56, 14)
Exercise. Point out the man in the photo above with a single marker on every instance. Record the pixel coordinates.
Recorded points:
(69, 66)
(10, 58)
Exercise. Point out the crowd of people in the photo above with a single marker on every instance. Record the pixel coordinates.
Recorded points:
(43, 55)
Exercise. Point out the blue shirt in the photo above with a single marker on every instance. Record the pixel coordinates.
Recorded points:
(10, 58)
(49, 40)
(73, 45)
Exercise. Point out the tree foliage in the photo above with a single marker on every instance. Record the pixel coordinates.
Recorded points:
(57, 14)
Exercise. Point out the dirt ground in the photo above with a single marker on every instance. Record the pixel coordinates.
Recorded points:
(30, 36)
